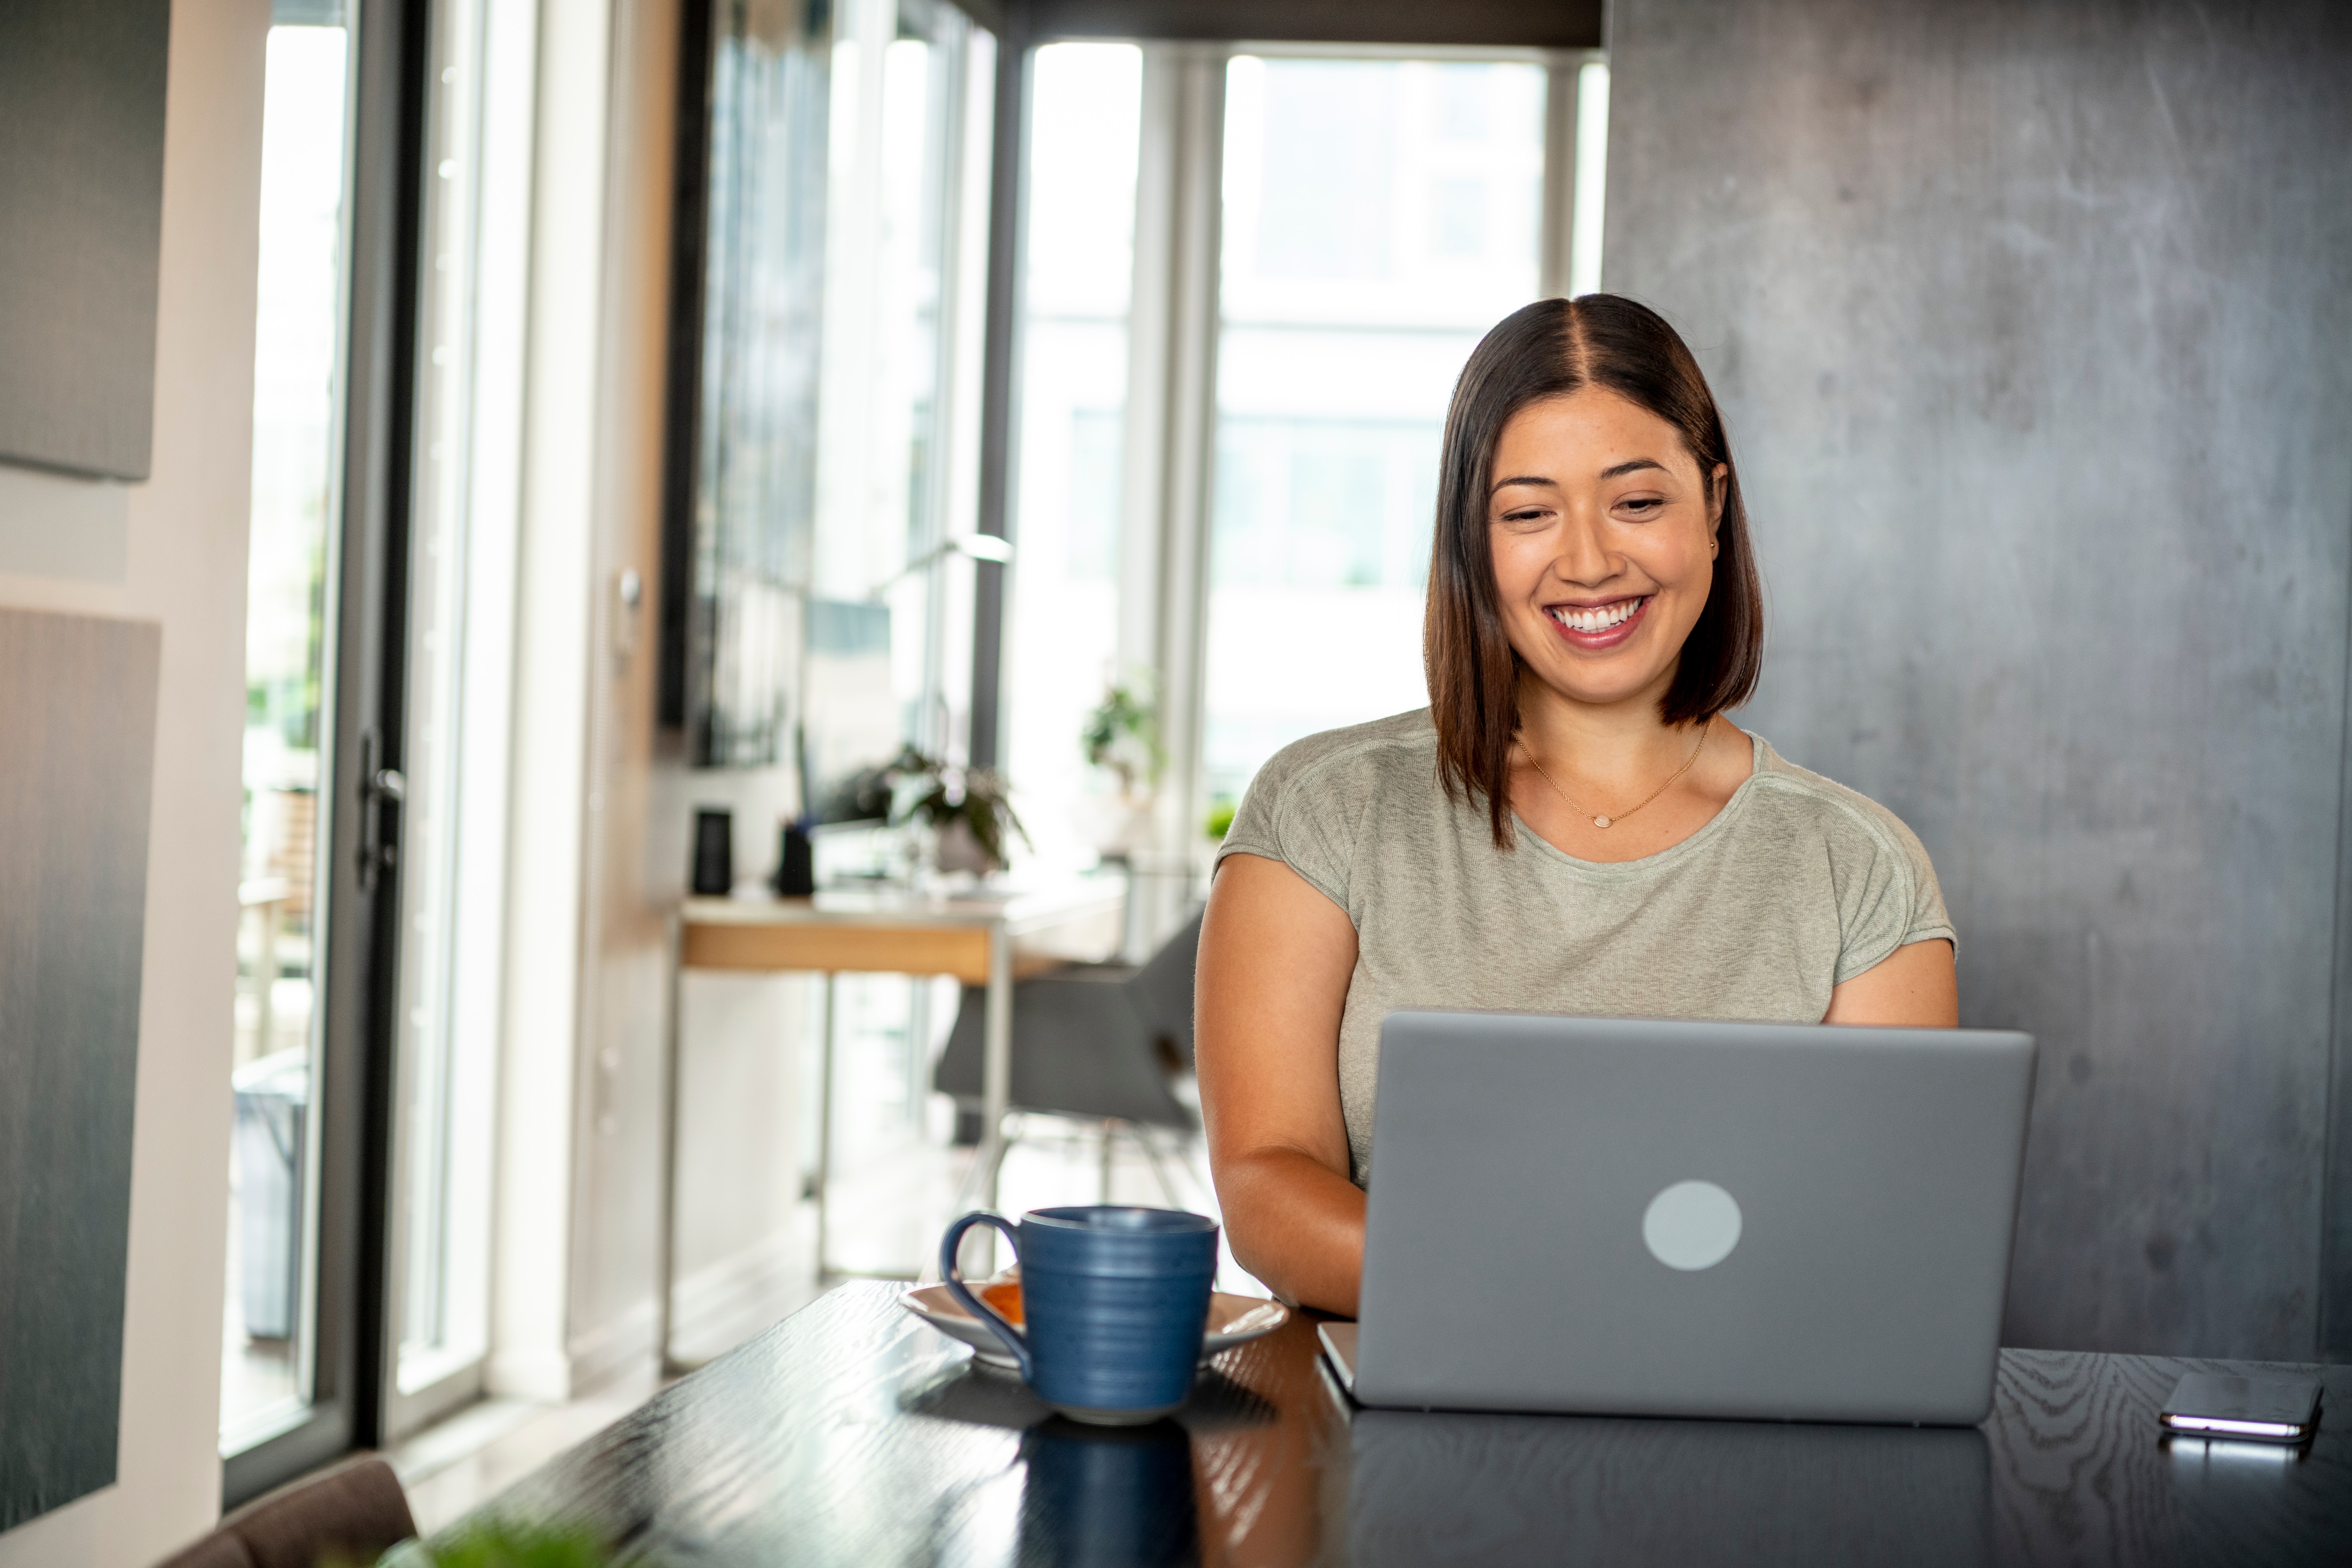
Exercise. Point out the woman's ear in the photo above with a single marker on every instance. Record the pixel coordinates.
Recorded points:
(1716, 490)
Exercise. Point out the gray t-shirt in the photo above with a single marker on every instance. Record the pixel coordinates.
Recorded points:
(1796, 885)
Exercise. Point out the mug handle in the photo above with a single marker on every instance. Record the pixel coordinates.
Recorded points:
(1015, 1340)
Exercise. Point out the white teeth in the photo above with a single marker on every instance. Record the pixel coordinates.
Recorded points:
(1598, 620)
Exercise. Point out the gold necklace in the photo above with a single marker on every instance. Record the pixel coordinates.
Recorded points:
(1606, 821)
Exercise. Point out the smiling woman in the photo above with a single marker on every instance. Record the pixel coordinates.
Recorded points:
(1593, 548)
(1570, 827)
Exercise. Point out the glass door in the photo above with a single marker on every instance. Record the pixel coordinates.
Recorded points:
(269, 1324)
(322, 786)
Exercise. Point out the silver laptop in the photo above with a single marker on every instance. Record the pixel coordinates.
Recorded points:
(1666, 1218)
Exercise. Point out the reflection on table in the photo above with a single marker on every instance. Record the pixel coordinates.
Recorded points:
(851, 1433)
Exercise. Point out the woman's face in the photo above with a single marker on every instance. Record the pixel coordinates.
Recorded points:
(1602, 534)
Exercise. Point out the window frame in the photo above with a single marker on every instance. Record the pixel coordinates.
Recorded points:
(470, 340)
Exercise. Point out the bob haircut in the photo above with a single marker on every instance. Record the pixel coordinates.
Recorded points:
(1551, 348)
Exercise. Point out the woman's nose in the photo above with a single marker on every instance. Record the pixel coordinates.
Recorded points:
(1582, 557)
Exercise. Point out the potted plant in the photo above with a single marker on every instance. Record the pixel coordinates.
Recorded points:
(964, 811)
(1121, 737)
(498, 1543)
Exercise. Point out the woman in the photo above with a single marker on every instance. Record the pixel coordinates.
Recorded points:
(1572, 825)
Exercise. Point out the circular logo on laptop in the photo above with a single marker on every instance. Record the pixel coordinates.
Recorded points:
(1691, 1225)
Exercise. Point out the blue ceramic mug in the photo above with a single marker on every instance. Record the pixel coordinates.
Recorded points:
(1114, 1303)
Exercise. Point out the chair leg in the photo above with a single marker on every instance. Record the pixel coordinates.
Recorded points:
(1109, 1131)
(825, 1121)
(1158, 1163)
(982, 1172)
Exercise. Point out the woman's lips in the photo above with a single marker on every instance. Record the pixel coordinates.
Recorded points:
(1608, 636)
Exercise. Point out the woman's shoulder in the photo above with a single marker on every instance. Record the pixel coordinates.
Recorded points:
(1359, 756)
(1885, 886)
(1839, 813)
(1308, 804)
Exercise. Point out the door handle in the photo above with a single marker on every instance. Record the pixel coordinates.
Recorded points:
(381, 791)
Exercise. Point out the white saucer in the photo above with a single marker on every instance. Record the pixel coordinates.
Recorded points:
(1232, 1320)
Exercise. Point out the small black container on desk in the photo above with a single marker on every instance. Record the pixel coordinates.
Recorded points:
(714, 852)
(795, 864)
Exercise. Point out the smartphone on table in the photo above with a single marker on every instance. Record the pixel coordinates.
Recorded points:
(2243, 1409)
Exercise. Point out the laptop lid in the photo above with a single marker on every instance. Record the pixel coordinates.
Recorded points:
(1690, 1218)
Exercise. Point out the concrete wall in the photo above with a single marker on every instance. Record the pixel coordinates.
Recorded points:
(2030, 322)
(178, 560)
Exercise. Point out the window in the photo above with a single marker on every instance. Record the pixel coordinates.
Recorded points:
(1378, 216)
(911, 100)
(1063, 631)
(897, 462)
(1252, 279)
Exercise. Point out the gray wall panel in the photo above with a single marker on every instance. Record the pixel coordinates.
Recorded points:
(81, 218)
(76, 757)
(2031, 325)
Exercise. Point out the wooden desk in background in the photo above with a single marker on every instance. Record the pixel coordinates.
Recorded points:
(982, 939)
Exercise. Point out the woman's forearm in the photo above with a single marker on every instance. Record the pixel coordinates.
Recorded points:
(1296, 1224)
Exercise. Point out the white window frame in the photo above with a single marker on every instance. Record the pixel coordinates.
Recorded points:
(472, 351)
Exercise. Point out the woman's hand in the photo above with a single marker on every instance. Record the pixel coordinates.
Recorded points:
(1276, 960)
(1913, 987)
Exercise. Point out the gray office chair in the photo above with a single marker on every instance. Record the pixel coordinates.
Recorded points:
(1097, 1042)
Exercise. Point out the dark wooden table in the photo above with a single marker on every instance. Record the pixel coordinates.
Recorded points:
(852, 1434)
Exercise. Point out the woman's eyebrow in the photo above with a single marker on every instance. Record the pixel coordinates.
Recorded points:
(1635, 467)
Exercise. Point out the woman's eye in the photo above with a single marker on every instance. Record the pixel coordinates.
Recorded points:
(1642, 507)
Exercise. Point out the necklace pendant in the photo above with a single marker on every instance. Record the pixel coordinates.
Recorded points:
(1600, 822)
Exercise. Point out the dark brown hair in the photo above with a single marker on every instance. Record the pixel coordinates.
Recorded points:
(1551, 348)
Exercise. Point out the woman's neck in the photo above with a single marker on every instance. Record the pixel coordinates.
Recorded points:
(1612, 745)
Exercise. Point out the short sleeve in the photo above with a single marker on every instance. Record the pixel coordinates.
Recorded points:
(1886, 892)
(1295, 811)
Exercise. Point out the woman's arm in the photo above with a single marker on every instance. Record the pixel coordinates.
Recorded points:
(1912, 987)
(1276, 960)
